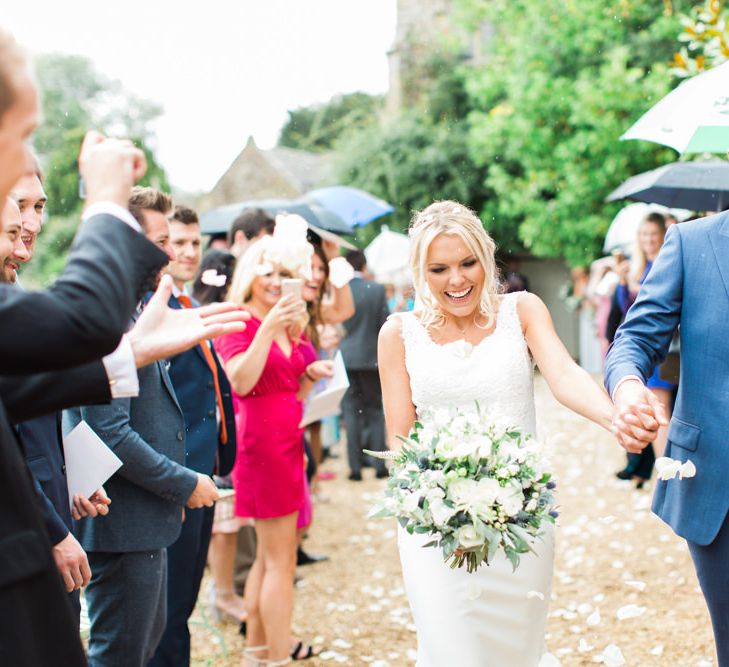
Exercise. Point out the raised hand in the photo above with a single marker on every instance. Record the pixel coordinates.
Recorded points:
(204, 495)
(637, 416)
(161, 331)
(109, 168)
(287, 312)
(317, 370)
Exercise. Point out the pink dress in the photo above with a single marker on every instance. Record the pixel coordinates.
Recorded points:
(306, 512)
(268, 477)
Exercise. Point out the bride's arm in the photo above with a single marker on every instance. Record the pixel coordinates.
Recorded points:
(571, 385)
(395, 381)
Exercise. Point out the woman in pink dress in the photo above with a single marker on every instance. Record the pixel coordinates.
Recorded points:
(269, 375)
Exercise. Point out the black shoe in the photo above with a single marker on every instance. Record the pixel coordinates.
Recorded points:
(624, 474)
(303, 558)
(355, 477)
(382, 474)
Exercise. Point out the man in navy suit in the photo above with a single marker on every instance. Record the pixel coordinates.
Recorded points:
(688, 289)
(204, 395)
(127, 594)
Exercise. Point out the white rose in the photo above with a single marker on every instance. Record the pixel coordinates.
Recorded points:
(488, 490)
(463, 492)
(441, 417)
(410, 502)
(469, 536)
(442, 514)
(511, 498)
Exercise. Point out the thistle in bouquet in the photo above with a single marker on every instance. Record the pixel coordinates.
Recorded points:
(476, 483)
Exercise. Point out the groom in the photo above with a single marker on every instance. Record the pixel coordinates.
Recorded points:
(688, 286)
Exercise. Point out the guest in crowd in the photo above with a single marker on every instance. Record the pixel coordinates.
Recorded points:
(251, 225)
(651, 233)
(219, 266)
(42, 437)
(514, 279)
(362, 404)
(150, 491)
(270, 375)
(204, 395)
(13, 232)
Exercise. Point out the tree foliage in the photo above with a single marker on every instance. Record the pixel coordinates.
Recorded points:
(562, 82)
(318, 127)
(75, 98)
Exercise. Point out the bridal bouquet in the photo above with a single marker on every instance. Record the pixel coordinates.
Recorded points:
(475, 483)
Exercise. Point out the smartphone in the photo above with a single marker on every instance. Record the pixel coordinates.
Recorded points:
(292, 286)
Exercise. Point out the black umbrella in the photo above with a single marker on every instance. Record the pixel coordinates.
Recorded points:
(698, 186)
(219, 220)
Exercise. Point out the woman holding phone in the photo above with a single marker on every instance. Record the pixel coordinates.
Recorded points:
(270, 370)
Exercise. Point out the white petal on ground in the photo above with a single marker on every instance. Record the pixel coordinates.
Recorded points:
(629, 611)
(612, 656)
(638, 585)
(594, 618)
(657, 650)
(341, 643)
(584, 647)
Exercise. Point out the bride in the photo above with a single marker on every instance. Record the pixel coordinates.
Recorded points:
(467, 343)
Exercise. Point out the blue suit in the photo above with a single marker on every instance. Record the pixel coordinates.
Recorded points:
(689, 287)
(127, 594)
(204, 452)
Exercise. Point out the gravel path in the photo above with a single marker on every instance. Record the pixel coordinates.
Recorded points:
(614, 559)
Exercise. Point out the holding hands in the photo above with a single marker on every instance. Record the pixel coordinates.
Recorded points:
(637, 415)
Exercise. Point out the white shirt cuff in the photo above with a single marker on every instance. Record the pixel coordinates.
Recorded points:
(110, 208)
(121, 369)
(625, 379)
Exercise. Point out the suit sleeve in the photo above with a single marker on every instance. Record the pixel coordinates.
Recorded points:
(29, 396)
(83, 316)
(57, 529)
(642, 341)
(143, 465)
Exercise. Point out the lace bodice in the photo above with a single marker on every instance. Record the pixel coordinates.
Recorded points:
(498, 372)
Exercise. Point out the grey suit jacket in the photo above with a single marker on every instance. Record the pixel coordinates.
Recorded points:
(359, 346)
(150, 490)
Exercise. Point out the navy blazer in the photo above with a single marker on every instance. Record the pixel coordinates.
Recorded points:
(195, 390)
(42, 441)
(688, 288)
(151, 488)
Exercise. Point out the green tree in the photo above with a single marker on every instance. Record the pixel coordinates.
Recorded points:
(318, 127)
(562, 82)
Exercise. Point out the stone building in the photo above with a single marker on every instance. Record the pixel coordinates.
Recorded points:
(277, 173)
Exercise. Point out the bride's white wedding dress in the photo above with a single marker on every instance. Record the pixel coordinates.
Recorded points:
(494, 617)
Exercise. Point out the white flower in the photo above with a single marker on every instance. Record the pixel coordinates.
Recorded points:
(463, 492)
(441, 417)
(410, 502)
(594, 618)
(667, 468)
(535, 594)
(442, 514)
(264, 268)
(469, 536)
(213, 278)
(340, 272)
(511, 498)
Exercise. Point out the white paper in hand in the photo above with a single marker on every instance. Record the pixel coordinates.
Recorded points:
(328, 400)
(89, 462)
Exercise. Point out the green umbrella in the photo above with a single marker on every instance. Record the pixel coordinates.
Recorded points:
(692, 118)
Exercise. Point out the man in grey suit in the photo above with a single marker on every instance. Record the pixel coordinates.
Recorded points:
(362, 404)
(127, 553)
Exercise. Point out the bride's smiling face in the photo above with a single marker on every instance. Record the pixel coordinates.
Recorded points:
(454, 275)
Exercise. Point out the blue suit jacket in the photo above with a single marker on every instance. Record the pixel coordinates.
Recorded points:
(150, 490)
(195, 390)
(688, 286)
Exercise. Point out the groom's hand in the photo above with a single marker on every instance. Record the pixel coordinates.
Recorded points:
(637, 415)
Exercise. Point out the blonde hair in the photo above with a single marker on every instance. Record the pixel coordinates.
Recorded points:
(450, 217)
(246, 271)
(638, 261)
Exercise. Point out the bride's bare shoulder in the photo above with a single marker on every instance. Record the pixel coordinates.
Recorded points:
(391, 330)
(531, 309)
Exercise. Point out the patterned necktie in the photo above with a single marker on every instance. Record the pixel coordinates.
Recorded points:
(208, 354)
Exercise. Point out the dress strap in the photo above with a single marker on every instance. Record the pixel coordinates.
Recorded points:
(508, 316)
(411, 330)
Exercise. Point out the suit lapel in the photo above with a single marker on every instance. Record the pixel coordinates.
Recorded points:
(720, 244)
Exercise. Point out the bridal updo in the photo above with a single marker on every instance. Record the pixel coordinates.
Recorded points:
(450, 217)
